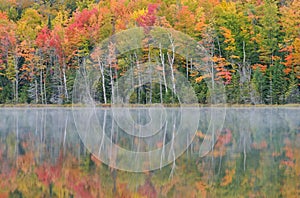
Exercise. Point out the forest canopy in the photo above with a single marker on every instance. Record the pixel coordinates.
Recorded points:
(254, 46)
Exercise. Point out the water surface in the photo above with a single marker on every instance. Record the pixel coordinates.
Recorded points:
(252, 152)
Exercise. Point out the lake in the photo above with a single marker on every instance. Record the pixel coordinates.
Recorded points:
(154, 152)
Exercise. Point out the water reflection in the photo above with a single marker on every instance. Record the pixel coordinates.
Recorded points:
(255, 153)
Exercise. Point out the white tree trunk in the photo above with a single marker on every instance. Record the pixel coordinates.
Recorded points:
(16, 60)
(162, 59)
(41, 86)
(101, 66)
(171, 58)
(65, 80)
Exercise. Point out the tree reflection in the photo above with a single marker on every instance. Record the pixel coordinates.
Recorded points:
(257, 153)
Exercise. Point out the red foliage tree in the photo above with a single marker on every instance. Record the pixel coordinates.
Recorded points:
(149, 18)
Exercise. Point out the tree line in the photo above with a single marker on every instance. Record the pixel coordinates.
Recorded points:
(254, 46)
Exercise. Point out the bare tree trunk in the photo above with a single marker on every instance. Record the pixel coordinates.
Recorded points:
(16, 60)
(162, 59)
(65, 80)
(17, 90)
(212, 75)
(244, 54)
(271, 89)
(36, 91)
(45, 93)
(160, 92)
(101, 66)
(187, 67)
(41, 86)
(116, 76)
(171, 58)
(139, 78)
(111, 81)
(149, 59)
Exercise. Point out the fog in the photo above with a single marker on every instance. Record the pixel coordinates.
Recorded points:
(137, 139)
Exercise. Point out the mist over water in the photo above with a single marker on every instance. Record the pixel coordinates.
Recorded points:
(245, 138)
(56, 127)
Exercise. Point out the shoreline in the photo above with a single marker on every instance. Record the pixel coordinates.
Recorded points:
(147, 105)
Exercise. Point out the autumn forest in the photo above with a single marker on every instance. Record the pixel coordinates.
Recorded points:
(254, 46)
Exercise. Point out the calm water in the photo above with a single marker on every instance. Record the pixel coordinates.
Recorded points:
(240, 152)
